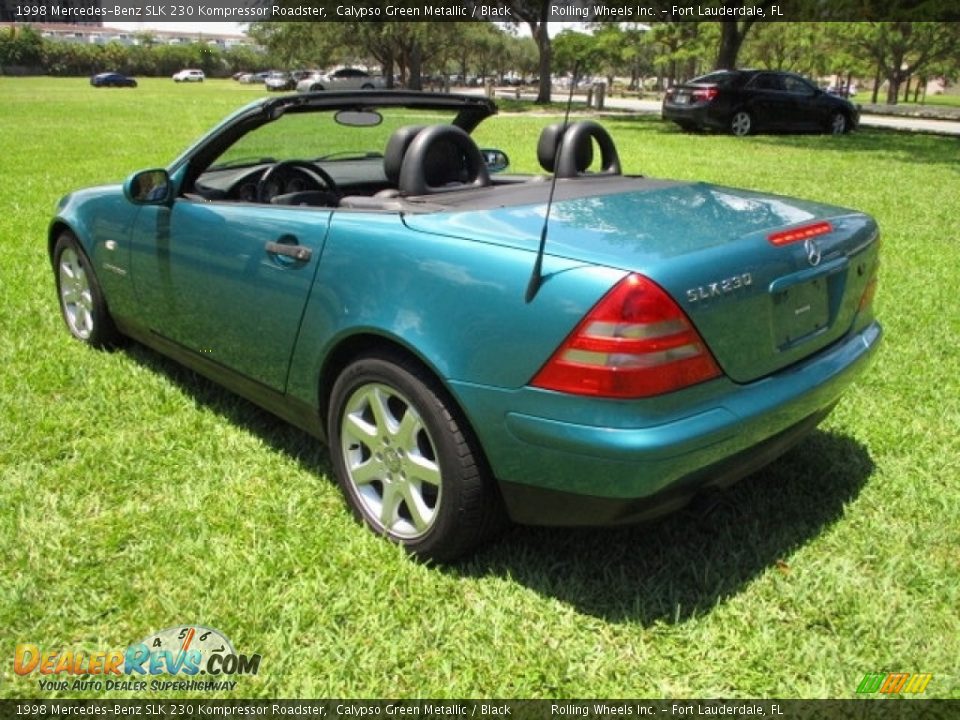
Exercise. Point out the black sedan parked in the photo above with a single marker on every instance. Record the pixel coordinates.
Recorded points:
(745, 101)
(112, 79)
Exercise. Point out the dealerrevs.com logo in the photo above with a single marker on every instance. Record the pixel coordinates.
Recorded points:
(185, 652)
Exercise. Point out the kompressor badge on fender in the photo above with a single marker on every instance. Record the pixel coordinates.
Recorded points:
(719, 288)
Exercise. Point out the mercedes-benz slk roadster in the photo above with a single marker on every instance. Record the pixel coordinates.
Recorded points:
(581, 346)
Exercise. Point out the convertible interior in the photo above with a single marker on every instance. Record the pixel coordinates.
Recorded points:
(420, 163)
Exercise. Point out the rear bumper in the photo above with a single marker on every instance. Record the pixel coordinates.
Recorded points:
(540, 506)
(698, 115)
(556, 471)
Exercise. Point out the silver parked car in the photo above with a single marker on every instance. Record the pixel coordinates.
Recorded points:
(342, 79)
(189, 75)
(278, 80)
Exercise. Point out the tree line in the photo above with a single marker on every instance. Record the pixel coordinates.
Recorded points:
(657, 54)
(24, 47)
(890, 54)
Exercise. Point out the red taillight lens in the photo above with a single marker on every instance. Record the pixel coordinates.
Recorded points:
(705, 94)
(636, 342)
(785, 237)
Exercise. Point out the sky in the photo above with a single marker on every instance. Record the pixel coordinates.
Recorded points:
(198, 27)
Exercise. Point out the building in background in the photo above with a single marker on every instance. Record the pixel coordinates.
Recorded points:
(97, 34)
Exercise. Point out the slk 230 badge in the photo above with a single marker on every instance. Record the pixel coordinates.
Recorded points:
(719, 288)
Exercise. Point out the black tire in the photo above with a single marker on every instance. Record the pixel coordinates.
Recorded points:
(741, 123)
(406, 460)
(82, 304)
(366, 86)
(316, 88)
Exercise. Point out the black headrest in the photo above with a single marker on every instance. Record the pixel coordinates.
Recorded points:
(440, 159)
(576, 155)
(396, 149)
(548, 144)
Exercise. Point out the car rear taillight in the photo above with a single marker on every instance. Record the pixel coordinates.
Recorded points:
(705, 94)
(636, 342)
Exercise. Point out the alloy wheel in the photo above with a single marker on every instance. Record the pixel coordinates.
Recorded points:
(741, 123)
(76, 295)
(391, 461)
(838, 124)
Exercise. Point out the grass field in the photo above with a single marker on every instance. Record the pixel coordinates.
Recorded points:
(135, 496)
(948, 100)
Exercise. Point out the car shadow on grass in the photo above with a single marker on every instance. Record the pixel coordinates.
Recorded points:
(685, 564)
(306, 450)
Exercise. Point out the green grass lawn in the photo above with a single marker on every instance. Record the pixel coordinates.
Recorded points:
(948, 100)
(136, 496)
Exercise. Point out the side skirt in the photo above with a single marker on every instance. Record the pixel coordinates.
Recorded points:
(291, 410)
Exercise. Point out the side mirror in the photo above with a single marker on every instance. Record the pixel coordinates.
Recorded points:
(148, 187)
(495, 160)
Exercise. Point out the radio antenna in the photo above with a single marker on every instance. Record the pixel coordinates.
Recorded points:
(536, 277)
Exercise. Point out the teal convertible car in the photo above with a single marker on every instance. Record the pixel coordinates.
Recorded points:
(577, 347)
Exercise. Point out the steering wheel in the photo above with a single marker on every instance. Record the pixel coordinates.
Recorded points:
(276, 179)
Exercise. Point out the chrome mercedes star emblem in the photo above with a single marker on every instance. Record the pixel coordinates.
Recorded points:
(813, 252)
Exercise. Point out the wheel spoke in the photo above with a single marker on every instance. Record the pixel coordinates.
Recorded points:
(356, 428)
(390, 504)
(420, 513)
(68, 264)
(383, 418)
(422, 469)
(407, 430)
(69, 293)
(84, 321)
(366, 472)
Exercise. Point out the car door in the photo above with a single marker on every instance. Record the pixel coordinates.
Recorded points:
(228, 280)
(804, 110)
(766, 100)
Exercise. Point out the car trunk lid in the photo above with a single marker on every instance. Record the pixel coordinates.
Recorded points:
(758, 305)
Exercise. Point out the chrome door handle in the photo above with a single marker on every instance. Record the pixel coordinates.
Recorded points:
(297, 252)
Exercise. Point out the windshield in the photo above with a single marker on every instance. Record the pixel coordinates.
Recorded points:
(317, 135)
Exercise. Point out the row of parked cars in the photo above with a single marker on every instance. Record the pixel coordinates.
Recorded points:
(116, 79)
(300, 80)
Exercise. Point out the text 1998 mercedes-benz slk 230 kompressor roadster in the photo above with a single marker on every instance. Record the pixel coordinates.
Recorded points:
(354, 263)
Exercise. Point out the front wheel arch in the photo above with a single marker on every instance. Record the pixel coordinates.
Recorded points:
(57, 228)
